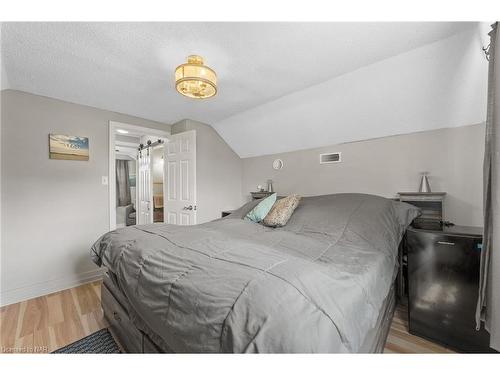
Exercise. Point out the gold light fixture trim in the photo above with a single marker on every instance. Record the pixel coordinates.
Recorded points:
(195, 80)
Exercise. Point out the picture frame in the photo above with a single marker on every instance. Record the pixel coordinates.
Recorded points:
(68, 147)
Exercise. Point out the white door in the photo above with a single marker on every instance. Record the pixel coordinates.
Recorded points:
(144, 188)
(180, 172)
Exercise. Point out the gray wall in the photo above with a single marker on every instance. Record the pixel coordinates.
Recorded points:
(218, 171)
(384, 166)
(52, 210)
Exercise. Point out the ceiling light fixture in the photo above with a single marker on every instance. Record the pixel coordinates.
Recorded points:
(121, 131)
(195, 80)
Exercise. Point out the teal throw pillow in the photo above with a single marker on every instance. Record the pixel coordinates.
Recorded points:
(262, 209)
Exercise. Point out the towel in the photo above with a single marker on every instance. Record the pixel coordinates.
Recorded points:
(158, 201)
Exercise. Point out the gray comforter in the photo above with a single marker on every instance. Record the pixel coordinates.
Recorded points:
(232, 285)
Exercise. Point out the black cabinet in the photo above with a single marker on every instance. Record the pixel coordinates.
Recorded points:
(443, 281)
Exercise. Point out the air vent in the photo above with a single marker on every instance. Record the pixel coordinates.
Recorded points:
(333, 157)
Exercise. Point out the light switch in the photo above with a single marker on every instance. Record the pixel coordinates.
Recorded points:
(104, 180)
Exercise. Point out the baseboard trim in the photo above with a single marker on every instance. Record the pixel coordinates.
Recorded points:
(9, 297)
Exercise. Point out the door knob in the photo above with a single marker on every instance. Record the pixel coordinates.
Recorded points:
(188, 208)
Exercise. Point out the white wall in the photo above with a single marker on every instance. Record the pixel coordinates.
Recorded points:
(4, 81)
(385, 166)
(52, 210)
(218, 172)
(440, 85)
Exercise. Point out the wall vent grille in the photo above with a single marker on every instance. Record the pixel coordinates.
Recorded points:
(334, 157)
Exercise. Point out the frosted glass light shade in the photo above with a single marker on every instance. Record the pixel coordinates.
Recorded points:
(195, 80)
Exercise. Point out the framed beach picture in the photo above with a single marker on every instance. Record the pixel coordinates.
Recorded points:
(68, 147)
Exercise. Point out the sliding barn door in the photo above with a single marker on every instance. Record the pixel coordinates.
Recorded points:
(180, 174)
(144, 188)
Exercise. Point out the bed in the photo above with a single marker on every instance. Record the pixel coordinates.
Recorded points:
(324, 283)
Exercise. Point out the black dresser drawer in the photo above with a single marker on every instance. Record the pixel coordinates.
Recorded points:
(443, 282)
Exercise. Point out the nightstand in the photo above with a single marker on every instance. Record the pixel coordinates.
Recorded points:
(260, 194)
(443, 280)
(431, 204)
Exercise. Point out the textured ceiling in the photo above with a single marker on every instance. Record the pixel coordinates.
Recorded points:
(128, 67)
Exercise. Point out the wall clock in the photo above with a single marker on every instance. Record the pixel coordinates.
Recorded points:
(278, 164)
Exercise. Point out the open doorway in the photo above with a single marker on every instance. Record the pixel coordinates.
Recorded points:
(126, 177)
(136, 175)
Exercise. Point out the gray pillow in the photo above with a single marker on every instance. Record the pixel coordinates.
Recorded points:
(374, 219)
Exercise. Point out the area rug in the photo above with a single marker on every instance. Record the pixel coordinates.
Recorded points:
(100, 342)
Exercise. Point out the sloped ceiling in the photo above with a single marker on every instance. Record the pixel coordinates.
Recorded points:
(268, 73)
(440, 85)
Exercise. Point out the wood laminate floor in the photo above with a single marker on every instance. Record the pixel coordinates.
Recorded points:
(50, 322)
(44, 324)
